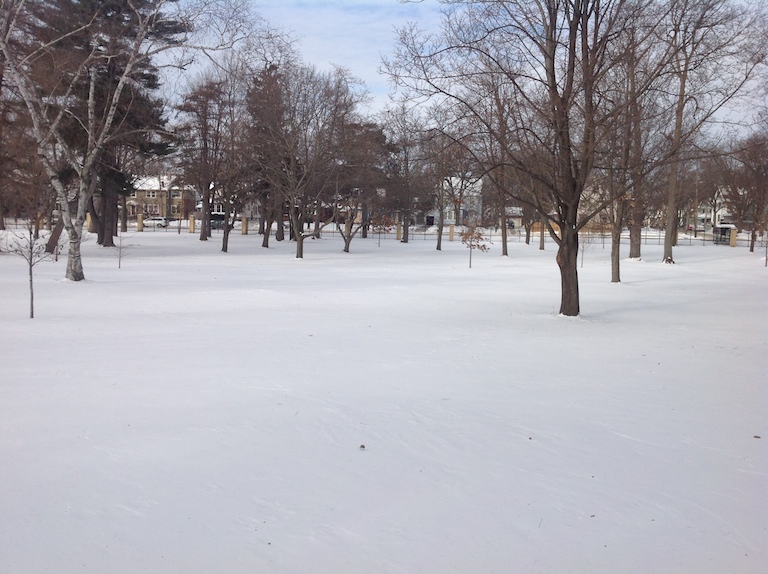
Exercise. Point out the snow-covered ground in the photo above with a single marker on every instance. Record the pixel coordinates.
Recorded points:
(198, 412)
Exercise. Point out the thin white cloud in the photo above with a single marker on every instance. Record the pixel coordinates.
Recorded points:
(352, 34)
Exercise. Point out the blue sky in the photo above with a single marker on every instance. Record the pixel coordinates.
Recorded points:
(350, 33)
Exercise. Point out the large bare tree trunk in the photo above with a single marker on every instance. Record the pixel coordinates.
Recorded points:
(225, 238)
(74, 258)
(616, 243)
(567, 261)
(95, 223)
(109, 217)
(635, 240)
(297, 230)
(72, 225)
(205, 216)
(104, 214)
(348, 232)
(124, 215)
(267, 221)
(504, 233)
(670, 225)
(53, 240)
(440, 227)
(31, 289)
(366, 220)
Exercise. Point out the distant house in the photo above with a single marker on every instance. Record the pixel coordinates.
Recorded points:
(160, 196)
(713, 213)
(514, 217)
(462, 202)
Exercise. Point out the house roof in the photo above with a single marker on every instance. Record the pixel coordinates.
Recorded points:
(158, 182)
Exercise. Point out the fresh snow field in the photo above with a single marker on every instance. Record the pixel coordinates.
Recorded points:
(201, 412)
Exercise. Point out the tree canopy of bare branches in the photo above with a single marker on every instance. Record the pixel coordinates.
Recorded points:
(557, 91)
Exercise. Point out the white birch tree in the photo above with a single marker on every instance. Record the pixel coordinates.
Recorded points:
(42, 41)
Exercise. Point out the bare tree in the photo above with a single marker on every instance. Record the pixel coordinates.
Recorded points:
(754, 158)
(298, 115)
(203, 143)
(472, 237)
(237, 185)
(717, 48)
(410, 185)
(744, 172)
(454, 172)
(546, 60)
(360, 176)
(32, 248)
(626, 152)
(437, 145)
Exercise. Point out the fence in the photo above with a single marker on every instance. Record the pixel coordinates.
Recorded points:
(648, 237)
(420, 233)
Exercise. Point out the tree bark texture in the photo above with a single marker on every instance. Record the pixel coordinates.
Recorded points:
(567, 261)
(74, 258)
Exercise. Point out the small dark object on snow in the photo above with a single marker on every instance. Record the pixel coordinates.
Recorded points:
(757, 436)
(362, 447)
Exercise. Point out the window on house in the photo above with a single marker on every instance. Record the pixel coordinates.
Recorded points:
(151, 194)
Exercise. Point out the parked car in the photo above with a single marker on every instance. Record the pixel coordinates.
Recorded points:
(156, 222)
